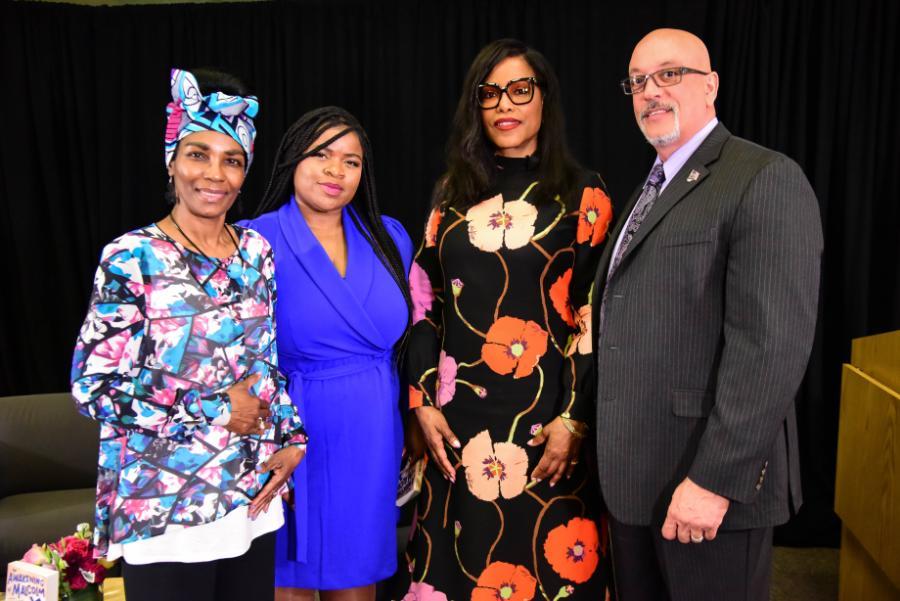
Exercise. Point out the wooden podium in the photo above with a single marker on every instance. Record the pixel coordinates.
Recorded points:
(867, 491)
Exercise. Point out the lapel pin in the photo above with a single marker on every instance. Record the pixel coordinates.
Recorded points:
(693, 176)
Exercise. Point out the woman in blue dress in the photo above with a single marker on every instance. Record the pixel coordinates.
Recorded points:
(344, 310)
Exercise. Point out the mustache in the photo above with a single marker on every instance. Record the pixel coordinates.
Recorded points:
(655, 105)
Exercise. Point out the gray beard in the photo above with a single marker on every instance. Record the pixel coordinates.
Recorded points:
(666, 139)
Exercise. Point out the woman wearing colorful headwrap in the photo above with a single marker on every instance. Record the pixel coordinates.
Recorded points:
(176, 360)
(344, 312)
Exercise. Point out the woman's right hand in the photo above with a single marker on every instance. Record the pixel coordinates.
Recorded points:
(248, 413)
(436, 431)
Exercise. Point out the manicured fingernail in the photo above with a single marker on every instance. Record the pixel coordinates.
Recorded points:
(530, 442)
(455, 443)
(533, 483)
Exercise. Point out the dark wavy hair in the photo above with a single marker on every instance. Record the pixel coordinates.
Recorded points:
(470, 153)
(296, 145)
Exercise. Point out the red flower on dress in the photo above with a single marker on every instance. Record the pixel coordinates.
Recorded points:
(594, 216)
(416, 397)
(559, 296)
(514, 344)
(431, 228)
(571, 549)
(503, 581)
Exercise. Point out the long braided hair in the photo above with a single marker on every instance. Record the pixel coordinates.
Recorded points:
(296, 146)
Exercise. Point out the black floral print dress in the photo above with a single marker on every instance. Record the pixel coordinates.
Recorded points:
(501, 345)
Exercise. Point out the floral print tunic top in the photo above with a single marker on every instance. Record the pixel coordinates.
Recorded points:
(167, 332)
(501, 345)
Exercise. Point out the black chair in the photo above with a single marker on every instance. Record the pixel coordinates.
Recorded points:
(48, 472)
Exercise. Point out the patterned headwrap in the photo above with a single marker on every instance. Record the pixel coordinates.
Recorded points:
(191, 112)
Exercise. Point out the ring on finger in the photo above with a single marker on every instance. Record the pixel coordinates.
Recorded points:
(573, 462)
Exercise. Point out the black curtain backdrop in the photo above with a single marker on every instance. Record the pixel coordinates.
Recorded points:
(81, 150)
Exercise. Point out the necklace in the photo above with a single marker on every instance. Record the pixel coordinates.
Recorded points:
(194, 244)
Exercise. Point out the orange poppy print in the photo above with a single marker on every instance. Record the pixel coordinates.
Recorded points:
(416, 397)
(571, 549)
(514, 344)
(559, 296)
(594, 216)
(431, 228)
(503, 581)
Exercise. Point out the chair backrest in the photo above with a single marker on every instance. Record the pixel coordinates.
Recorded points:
(45, 444)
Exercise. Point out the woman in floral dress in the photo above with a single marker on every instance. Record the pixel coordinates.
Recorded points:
(500, 361)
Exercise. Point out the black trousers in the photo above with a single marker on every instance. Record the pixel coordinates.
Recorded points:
(735, 566)
(248, 577)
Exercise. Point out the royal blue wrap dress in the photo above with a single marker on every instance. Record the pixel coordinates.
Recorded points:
(336, 338)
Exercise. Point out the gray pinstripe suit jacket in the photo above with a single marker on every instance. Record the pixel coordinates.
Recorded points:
(709, 322)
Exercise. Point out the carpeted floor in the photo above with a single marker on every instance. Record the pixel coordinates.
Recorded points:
(805, 574)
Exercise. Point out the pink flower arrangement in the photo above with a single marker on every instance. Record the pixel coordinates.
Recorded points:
(80, 574)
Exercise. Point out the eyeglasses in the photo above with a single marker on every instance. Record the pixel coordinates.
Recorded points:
(663, 78)
(519, 91)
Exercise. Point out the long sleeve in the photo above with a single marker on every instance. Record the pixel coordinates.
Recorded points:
(291, 426)
(771, 297)
(110, 381)
(425, 282)
(594, 218)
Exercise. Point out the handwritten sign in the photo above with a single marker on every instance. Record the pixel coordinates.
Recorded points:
(28, 582)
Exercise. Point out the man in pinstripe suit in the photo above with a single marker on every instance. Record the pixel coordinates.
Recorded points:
(706, 307)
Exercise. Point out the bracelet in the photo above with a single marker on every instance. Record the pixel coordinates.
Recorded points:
(577, 428)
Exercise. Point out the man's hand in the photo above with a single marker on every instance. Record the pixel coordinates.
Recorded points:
(694, 514)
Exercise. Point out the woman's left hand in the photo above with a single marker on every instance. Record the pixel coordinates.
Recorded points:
(282, 464)
(560, 455)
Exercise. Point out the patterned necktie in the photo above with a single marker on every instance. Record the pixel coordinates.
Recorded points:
(641, 210)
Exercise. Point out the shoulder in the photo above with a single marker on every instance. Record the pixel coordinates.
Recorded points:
(586, 178)
(133, 253)
(755, 162)
(266, 224)
(753, 157)
(254, 242)
(133, 244)
(400, 237)
(588, 187)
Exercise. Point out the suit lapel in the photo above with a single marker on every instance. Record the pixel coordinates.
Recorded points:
(688, 177)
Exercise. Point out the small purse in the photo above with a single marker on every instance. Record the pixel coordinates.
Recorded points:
(409, 484)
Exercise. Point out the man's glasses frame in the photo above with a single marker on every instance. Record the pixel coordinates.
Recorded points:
(505, 90)
(670, 76)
